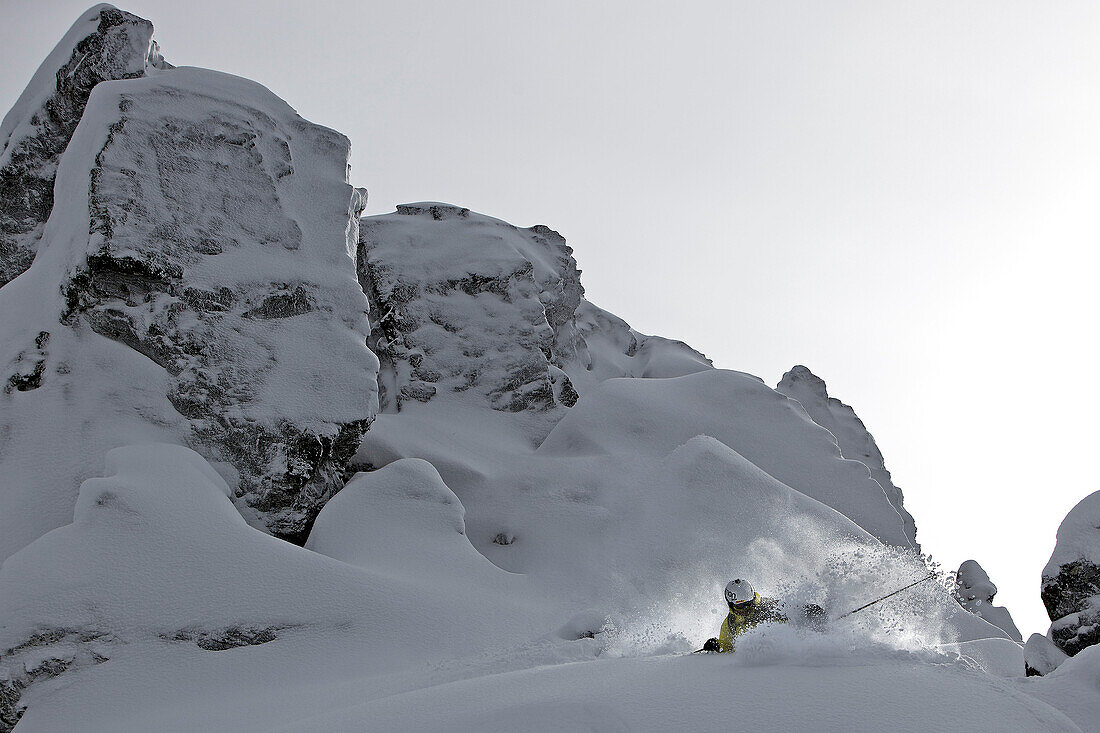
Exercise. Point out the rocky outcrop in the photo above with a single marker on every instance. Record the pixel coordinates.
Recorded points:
(854, 440)
(104, 44)
(974, 591)
(463, 305)
(203, 248)
(470, 307)
(1071, 579)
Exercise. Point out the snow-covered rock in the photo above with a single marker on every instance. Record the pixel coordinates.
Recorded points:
(1071, 578)
(105, 43)
(195, 284)
(157, 557)
(470, 307)
(975, 592)
(1042, 656)
(852, 436)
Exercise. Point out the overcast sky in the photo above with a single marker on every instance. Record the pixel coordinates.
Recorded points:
(903, 196)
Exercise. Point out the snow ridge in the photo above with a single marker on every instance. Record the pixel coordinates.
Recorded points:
(851, 435)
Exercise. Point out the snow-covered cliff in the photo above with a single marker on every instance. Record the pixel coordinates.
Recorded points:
(852, 437)
(199, 258)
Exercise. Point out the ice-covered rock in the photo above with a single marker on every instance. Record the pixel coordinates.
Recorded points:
(975, 591)
(471, 307)
(104, 44)
(1071, 578)
(855, 442)
(195, 284)
(1042, 656)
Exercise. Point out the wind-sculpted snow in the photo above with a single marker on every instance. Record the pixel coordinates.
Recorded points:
(772, 431)
(852, 437)
(471, 306)
(1071, 578)
(196, 280)
(105, 43)
(648, 539)
(975, 592)
(548, 507)
(157, 557)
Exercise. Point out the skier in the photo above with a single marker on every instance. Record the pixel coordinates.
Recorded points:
(748, 610)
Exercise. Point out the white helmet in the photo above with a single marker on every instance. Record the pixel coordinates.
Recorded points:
(739, 593)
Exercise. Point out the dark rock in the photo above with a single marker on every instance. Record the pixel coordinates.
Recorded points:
(228, 638)
(1071, 579)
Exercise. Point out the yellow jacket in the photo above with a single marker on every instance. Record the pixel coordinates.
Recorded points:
(760, 611)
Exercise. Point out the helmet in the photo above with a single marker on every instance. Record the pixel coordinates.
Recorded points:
(739, 593)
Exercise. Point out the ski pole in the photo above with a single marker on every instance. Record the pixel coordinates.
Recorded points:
(899, 590)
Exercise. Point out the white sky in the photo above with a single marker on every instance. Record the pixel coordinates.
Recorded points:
(901, 195)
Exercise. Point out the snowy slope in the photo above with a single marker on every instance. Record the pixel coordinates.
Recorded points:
(852, 437)
(768, 429)
(160, 589)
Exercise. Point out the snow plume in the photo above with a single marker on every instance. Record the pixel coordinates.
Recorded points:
(807, 566)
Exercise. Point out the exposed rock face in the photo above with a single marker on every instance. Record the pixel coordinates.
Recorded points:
(207, 233)
(1071, 579)
(852, 436)
(974, 591)
(104, 44)
(474, 307)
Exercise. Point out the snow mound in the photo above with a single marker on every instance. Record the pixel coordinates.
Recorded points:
(852, 437)
(401, 520)
(706, 693)
(1042, 656)
(770, 430)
